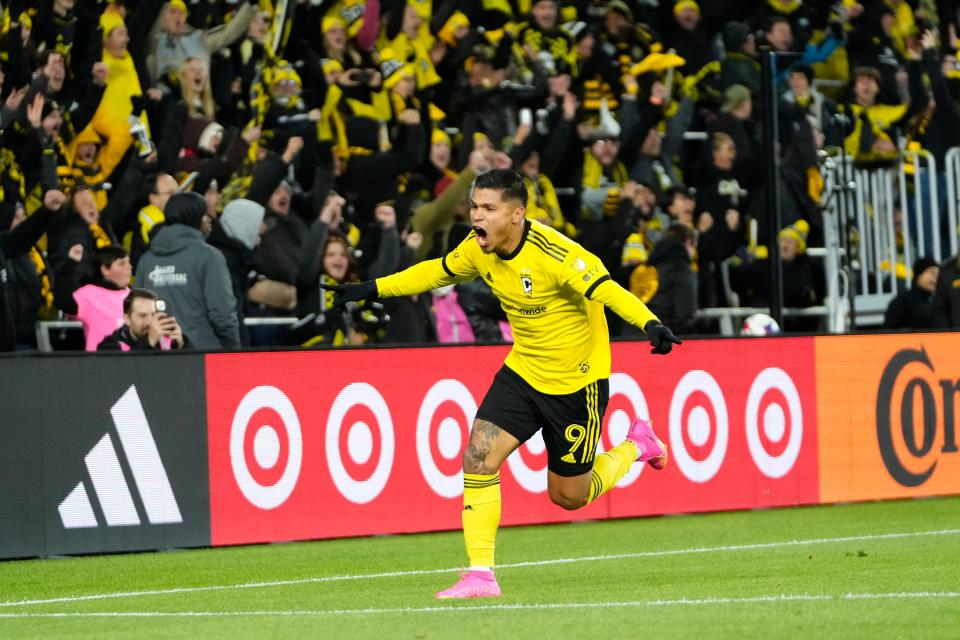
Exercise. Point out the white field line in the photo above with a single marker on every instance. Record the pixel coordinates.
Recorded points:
(514, 565)
(694, 602)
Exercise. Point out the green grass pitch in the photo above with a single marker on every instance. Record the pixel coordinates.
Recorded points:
(875, 570)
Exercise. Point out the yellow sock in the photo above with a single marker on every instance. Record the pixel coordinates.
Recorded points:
(481, 516)
(610, 467)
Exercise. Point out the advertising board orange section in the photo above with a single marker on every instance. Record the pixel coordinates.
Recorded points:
(888, 423)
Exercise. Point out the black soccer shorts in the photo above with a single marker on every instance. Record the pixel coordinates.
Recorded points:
(571, 423)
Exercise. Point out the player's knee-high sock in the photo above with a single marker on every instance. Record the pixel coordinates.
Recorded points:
(610, 467)
(481, 517)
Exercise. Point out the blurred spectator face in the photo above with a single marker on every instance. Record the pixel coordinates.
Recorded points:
(928, 279)
(789, 249)
(174, 20)
(616, 23)
(688, 19)
(166, 186)
(559, 85)
(52, 123)
(484, 146)
(142, 313)
(55, 70)
(887, 21)
(336, 259)
(585, 46)
(411, 21)
(195, 74)
(799, 84)
(681, 208)
(62, 6)
(285, 89)
(866, 89)
(606, 151)
(744, 111)
(724, 155)
(531, 166)
(86, 152)
(749, 45)
(406, 87)
(257, 30)
(280, 200)
(440, 155)
(119, 272)
(653, 144)
(86, 206)
(545, 14)
(780, 36)
(335, 39)
(116, 41)
(24, 34)
(645, 198)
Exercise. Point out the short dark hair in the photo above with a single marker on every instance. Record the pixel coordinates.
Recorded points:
(106, 256)
(42, 58)
(772, 20)
(143, 294)
(508, 182)
(679, 234)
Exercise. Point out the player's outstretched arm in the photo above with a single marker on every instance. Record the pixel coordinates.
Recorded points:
(631, 308)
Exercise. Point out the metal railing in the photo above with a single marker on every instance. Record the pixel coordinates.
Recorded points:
(875, 226)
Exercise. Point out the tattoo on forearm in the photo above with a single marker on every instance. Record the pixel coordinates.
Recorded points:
(481, 443)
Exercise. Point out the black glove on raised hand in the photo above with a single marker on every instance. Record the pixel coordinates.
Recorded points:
(351, 292)
(660, 337)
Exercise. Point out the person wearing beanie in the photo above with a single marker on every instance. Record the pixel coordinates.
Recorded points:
(237, 234)
(948, 292)
(173, 40)
(191, 276)
(811, 104)
(688, 38)
(740, 65)
(916, 307)
(112, 119)
(793, 240)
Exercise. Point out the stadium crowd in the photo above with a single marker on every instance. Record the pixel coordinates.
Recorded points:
(226, 158)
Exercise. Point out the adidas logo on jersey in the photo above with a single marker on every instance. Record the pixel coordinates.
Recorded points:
(109, 483)
(569, 458)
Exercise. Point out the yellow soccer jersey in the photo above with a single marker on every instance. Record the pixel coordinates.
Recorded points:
(553, 292)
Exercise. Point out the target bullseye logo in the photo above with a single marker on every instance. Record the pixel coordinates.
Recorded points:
(454, 405)
(619, 418)
(705, 421)
(369, 458)
(772, 391)
(273, 483)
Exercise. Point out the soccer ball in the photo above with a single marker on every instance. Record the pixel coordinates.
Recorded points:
(759, 324)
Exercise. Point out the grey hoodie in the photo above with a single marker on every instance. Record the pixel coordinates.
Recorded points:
(192, 278)
(241, 220)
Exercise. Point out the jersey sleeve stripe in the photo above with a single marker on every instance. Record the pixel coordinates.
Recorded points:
(560, 249)
(596, 284)
(550, 252)
(443, 261)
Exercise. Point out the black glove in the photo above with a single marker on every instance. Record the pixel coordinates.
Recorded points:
(660, 337)
(351, 292)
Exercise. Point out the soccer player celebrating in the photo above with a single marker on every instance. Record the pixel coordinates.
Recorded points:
(556, 375)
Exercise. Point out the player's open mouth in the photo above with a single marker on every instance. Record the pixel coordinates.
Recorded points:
(481, 235)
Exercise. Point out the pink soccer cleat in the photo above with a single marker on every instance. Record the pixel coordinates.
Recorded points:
(473, 584)
(652, 450)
